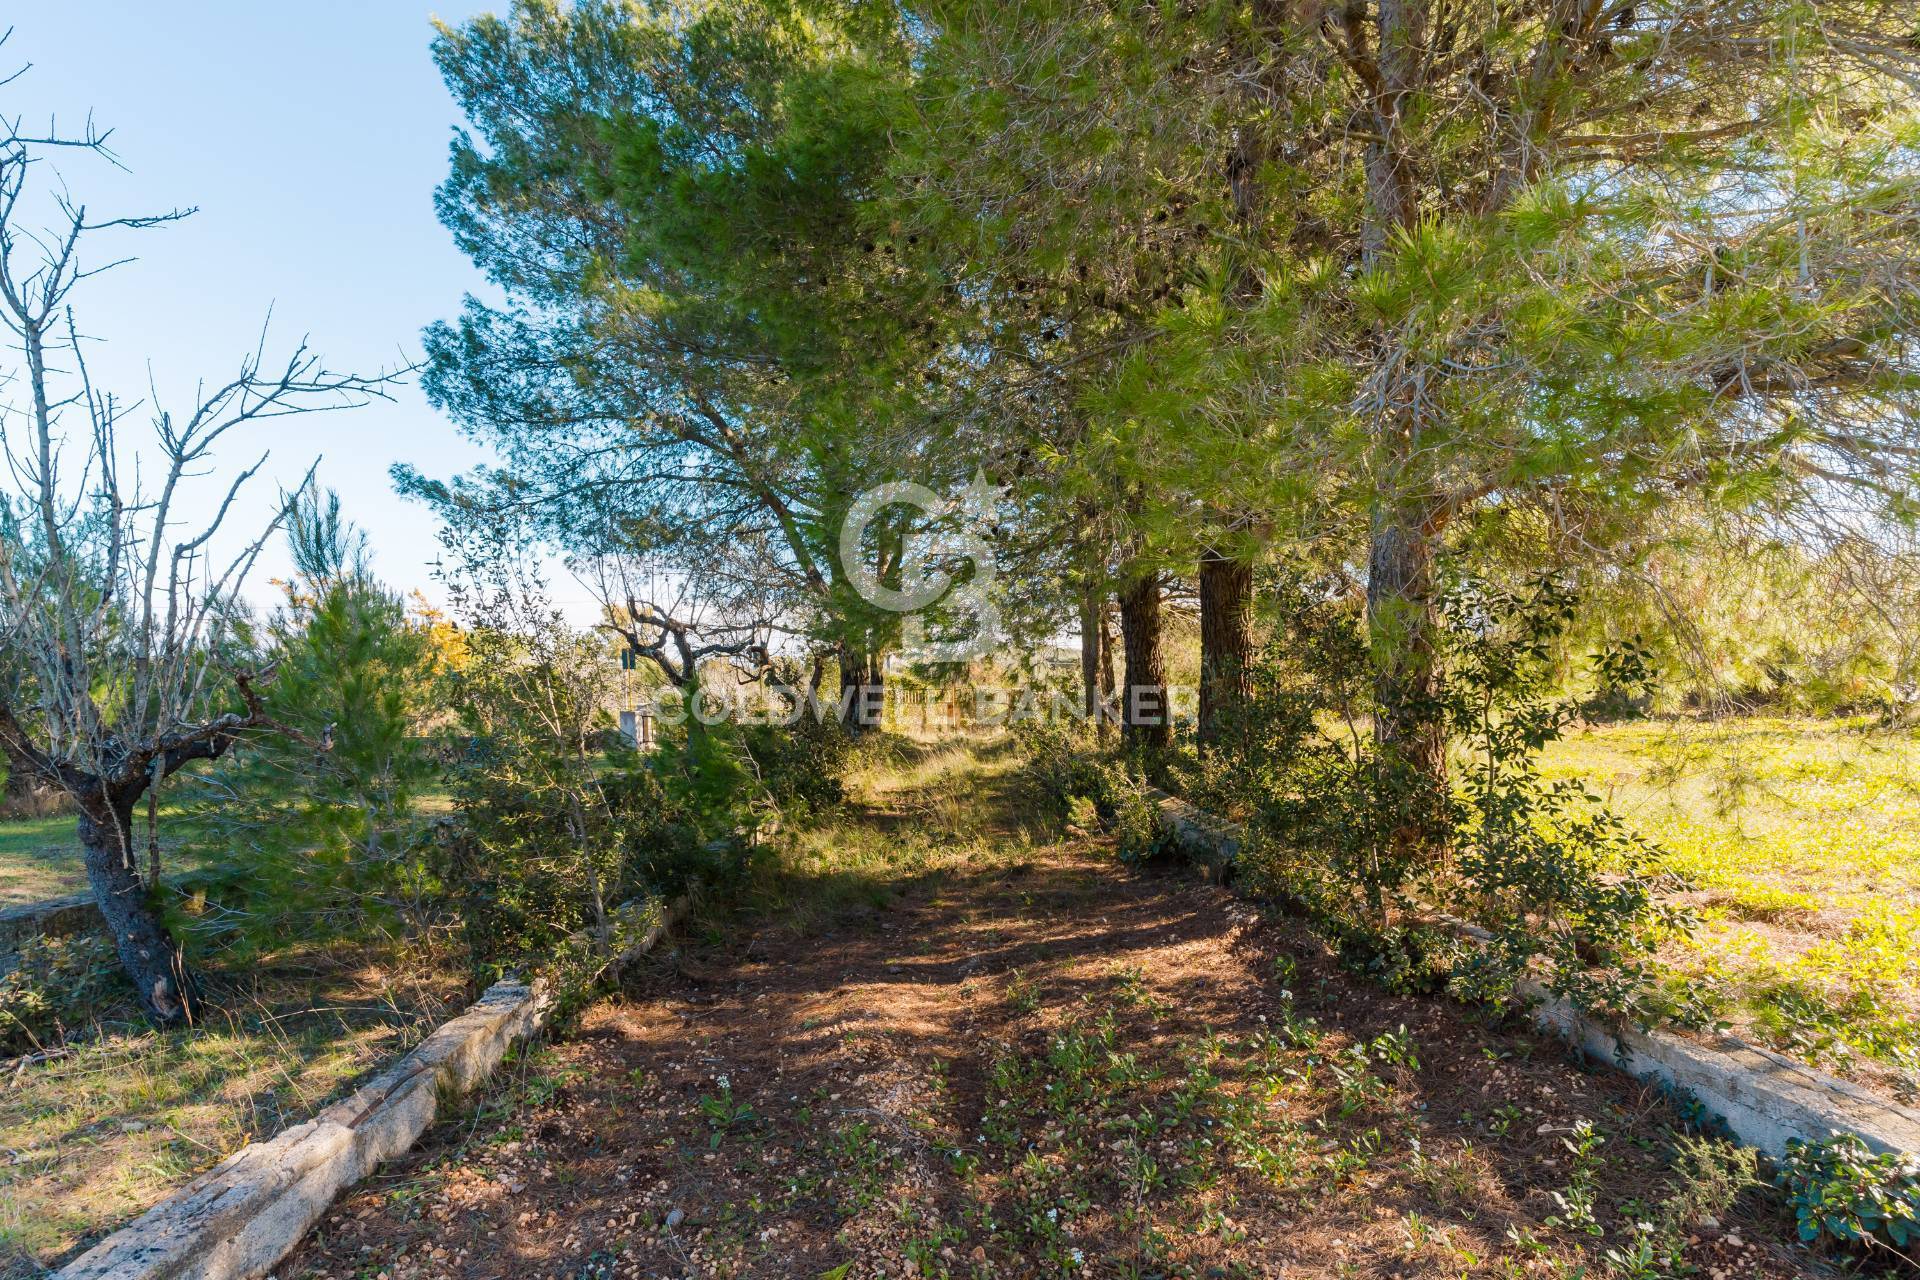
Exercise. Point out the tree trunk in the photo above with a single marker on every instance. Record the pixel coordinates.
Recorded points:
(1108, 683)
(862, 690)
(1096, 660)
(1226, 642)
(1404, 624)
(148, 953)
(877, 688)
(1143, 704)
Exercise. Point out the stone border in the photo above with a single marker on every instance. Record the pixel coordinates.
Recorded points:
(1764, 1099)
(61, 917)
(239, 1219)
(48, 918)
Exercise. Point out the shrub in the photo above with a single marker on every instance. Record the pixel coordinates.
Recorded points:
(1131, 814)
(1061, 766)
(801, 766)
(1557, 877)
(535, 854)
(1365, 844)
(296, 842)
(1842, 1191)
(1071, 775)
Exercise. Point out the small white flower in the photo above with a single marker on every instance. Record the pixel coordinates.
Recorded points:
(1079, 1258)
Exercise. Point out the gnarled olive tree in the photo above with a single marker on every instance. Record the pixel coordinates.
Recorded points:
(117, 605)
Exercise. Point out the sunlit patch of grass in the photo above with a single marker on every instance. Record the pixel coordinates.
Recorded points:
(1806, 836)
(39, 858)
(915, 812)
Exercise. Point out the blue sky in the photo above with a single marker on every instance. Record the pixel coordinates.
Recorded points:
(311, 138)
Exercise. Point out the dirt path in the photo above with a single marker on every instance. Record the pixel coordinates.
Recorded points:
(1030, 1062)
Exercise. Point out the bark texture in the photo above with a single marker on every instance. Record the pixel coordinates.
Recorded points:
(1143, 701)
(1226, 642)
(147, 952)
(1109, 681)
(1404, 624)
(1096, 660)
(862, 690)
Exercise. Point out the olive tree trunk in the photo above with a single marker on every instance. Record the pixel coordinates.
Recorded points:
(152, 959)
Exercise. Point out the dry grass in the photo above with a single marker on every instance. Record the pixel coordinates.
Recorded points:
(931, 809)
(94, 1137)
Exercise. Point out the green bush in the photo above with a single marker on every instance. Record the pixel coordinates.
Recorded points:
(1366, 844)
(802, 766)
(533, 849)
(1070, 773)
(1062, 766)
(1842, 1191)
(320, 838)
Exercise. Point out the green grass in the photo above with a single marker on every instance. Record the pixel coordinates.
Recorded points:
(1804, 839)
(39, 858)
(930, 811)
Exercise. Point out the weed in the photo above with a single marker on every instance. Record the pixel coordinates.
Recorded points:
(1576, 1201)
(724, 1113)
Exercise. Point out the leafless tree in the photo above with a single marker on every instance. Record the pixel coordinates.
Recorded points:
(118, 598)
(667, 619)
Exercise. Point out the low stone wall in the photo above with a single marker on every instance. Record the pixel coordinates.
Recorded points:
(1763, 1098)
(1213, 844)
(248, 1212)
(52, 918)
(244, 1215)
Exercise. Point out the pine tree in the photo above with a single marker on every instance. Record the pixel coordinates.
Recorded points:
(304, 843)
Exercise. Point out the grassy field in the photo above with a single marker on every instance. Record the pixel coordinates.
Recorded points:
(39, 859)
(1803, 838)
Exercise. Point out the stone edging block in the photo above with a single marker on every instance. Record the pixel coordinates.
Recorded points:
(52, 918)
(244, 1215)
